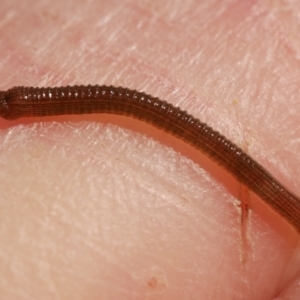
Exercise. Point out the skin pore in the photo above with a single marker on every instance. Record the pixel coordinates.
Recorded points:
(93, 210)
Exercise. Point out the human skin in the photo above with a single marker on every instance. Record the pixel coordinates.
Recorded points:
(92, 210)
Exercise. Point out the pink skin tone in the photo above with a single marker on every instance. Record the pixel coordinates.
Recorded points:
(90, 210)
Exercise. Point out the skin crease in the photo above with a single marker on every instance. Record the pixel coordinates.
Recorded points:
(95, 211)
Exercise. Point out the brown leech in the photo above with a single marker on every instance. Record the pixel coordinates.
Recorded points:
(29, 102)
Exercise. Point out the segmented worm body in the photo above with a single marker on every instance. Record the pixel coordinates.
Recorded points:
(29, 102)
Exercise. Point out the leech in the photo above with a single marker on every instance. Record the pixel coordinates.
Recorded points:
(30, 102)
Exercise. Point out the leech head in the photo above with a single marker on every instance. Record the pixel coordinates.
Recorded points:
(3, 105)
(9, 103)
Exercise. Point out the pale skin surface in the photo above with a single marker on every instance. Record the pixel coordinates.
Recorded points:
(95, 211)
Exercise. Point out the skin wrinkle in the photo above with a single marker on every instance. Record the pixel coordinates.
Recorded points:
(161, 48)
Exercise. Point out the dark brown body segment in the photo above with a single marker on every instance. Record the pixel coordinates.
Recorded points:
(29, 102)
